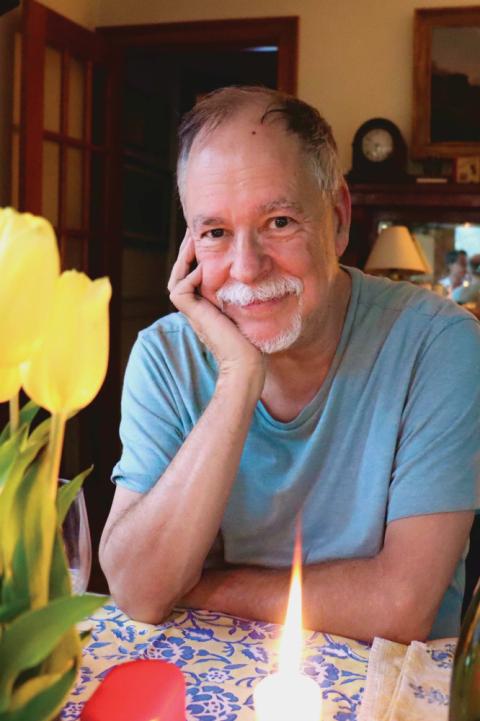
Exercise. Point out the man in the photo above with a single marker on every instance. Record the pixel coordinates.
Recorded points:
(469, 290)
(456, 262)
(290, 384)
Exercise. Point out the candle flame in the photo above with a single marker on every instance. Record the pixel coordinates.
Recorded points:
(290, 654)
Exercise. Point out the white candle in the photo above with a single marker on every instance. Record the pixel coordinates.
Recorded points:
(287, 697)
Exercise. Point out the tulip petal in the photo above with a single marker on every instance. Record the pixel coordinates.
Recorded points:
(29, 265)
(10, 382)
(66, 373)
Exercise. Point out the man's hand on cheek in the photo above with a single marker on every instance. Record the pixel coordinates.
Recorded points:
(222, 337)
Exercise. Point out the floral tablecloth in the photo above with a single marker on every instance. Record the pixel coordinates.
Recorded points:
(222, 658)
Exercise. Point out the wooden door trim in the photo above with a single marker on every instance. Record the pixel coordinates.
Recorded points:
(34, 28)
(219, 35)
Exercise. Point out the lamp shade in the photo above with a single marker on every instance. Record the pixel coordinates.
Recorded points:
(395, 250)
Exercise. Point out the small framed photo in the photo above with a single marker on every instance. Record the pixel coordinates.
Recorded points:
(467, 169)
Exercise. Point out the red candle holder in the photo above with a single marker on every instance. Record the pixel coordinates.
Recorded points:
(138, 691)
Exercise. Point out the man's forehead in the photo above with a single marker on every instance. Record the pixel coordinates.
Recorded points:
(247, 125)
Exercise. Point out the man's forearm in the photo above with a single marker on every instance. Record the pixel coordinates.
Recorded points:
(157, 548)
(351, 598)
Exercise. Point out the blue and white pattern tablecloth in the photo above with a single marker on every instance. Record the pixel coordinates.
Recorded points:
(222, 658)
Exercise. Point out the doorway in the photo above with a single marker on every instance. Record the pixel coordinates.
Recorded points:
(158, 88)
(161, 71)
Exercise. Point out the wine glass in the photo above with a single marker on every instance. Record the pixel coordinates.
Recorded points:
(77, 542)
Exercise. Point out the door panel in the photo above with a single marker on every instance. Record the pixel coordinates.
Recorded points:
(59, 143)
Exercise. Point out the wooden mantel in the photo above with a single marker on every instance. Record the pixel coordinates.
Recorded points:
(405, 204)
(453, 195)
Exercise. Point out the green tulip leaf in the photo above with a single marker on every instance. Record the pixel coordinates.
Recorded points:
(9, 452)
(10, 611)
(27, 414)
(24, 692)
(59, 584)
(41, 432)
(67, 649)
(29, 517)
(13, 500)
(16, 585)
(47, 701)
(67, 493)
(32, 636)
(39, 532)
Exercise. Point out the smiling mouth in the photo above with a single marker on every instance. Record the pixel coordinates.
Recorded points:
(270, 301)
(259, 303)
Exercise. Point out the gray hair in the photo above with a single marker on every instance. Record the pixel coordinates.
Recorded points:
(301, 119)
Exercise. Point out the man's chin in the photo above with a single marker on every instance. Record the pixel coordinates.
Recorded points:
(278, 343)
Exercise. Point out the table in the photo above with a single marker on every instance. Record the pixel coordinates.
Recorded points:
(222, 658)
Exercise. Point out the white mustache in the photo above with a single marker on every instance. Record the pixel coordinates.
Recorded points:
(240, 294)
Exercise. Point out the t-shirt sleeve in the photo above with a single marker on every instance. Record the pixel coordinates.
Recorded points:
(437, 462)
(150, 430)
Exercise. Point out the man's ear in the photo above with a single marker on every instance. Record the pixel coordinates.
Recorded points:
(342, 208)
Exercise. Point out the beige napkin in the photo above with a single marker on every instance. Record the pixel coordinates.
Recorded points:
(408, 683)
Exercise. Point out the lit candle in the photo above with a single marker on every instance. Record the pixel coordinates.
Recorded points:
(283, 697)
(289, 695)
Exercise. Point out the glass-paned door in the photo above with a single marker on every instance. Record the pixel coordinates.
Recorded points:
(59, 67)
(61, 167)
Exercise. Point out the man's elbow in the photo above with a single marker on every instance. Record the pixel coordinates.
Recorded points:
(140, 604)
(141, 601)
(406, 617)
(141, 610)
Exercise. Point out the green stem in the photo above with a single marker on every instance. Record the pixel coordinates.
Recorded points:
(14, 408)
(40, 581)
(54, 450)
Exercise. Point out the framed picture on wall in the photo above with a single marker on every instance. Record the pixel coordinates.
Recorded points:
(467, 170)
(446, 103)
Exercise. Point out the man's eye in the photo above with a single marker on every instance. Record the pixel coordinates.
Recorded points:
(280, 222)
(215, 233)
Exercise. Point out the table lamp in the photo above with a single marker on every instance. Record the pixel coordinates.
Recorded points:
(396, 254)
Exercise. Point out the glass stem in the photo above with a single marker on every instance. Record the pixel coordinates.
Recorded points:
(14, 408)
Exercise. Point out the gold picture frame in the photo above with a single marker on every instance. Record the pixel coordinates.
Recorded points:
(446, 103)
(467, 170)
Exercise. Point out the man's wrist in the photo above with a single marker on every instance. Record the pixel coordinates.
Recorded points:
(243, 380)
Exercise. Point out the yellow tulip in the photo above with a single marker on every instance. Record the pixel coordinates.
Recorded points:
(68, 369)
(29, 266)
(10, 382)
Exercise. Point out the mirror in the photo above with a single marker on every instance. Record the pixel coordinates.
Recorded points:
(455, 275)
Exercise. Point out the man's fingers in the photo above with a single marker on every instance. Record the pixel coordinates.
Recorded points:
(181, 266)
(186, 238)
(188, 284)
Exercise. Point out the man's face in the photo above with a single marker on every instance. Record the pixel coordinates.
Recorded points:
(258, 220)
(458, 269)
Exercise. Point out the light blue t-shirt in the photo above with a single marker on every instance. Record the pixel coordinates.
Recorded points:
(393, 432)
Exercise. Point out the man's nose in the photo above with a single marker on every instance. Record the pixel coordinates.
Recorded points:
(249, 259)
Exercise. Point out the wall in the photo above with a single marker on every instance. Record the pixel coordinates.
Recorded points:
(355, 58)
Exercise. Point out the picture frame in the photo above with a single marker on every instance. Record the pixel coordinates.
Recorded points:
(446, 82)
(467, 169)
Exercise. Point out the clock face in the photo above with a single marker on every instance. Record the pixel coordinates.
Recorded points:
(377, 145)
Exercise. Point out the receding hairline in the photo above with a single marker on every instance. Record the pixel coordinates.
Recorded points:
(297, 118)
(241, 107)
